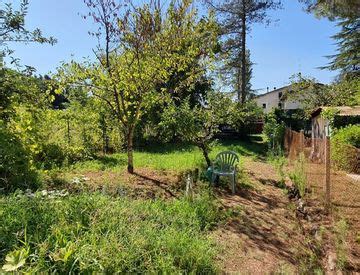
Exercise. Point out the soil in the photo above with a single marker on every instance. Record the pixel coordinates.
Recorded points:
(266, 237)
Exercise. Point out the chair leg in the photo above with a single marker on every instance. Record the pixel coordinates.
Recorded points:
(213, 177)
(233, 183)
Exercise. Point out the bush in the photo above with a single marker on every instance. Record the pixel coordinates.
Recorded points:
(345, 144)
(95, 233)
(50, 156)
(274, 131)
(15, 165)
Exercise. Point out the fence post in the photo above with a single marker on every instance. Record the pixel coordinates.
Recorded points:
(302, 140)
(327, 173)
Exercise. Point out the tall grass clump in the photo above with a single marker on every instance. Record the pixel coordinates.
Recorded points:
(341, 230)
(93, 233)
(279, 162)
(298, 175)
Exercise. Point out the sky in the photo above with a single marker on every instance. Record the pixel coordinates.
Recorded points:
(295, 42)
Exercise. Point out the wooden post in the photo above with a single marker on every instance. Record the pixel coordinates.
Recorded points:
(302, 141)
(327, 173)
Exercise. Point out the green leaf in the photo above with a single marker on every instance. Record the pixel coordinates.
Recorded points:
(15, 259)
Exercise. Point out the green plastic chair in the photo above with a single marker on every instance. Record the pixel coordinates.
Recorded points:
(225, 165)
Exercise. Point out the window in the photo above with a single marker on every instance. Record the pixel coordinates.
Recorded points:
(280, 94)
(280, 105)
(264, 105)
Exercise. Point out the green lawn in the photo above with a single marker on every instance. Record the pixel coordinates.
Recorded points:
(171, 157)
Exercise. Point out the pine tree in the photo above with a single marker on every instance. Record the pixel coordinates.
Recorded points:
(347, 60)
(333, 9)
(231, 72)
(236, 18)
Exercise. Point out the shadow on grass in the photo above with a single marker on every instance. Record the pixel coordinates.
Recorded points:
(161, 148)
(158, 183)
(248, 146)
(251, 146)
(110, 161)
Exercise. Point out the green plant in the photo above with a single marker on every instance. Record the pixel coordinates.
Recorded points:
(16, 170)
(298, 175)
(273, 131)
(94, 233)
(15, 259)
(279, 162)
(357, 239)
(198, 124)
(345, 145)
(341, 230)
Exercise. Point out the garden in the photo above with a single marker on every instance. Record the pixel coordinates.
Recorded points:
(147, 156)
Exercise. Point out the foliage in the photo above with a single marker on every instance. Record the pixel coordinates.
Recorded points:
(348, 41)
(16, 170)
(298, 175)
(12, 27)
(21, 88)
(297, 119)
(274, 131)
(345, 144)
(95, 233)
(333, 9)
(133, 60)
(197, 125)
(312, 94)
(329, 114)
(349, 135)
(231, 68)
(242, 115)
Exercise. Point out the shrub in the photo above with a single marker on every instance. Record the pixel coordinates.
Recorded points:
(274, 132)
(50, 156)
(345, 144)
(95, 233)
(15, 164)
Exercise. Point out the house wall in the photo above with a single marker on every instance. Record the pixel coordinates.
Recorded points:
(272, 101)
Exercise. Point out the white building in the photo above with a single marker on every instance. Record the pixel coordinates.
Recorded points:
(277, 99)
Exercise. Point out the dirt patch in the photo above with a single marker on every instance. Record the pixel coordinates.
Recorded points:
(144, 183)
(266, 237)
(345, 197)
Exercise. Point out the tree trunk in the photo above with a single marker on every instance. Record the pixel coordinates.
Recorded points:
(130, 136)
(205, 154)
(243, 53)
(238, 82)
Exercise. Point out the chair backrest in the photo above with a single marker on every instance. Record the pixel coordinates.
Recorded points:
(226, 159)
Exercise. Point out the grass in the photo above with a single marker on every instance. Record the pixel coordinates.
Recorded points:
(93, 233)
(177, 157)
(89, 232)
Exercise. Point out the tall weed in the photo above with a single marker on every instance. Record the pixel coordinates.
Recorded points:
(95, 233)
(298, 175)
